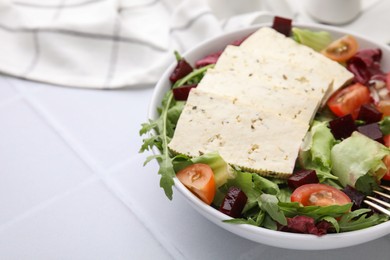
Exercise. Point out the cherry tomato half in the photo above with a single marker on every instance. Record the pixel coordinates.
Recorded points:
(384, 107)
(341, 49)
(348, 100)
(199, 179)
(386, 160)
(319, 195)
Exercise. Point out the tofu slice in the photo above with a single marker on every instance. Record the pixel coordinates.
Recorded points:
(275, 72)
(268, 42)
(252, 139)
(261, 95)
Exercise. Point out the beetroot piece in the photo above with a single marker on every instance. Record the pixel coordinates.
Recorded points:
(209, 59)
(302, 177)
(181, 93)
(234, 202)
(282, 25)
(372, 131)
(306, 225)
(182, 69)
(365, 65)
(356, 196)
(342, 127)
(213, 57)
(369, 114)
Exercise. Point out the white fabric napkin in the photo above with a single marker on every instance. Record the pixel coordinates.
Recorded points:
(108, 44)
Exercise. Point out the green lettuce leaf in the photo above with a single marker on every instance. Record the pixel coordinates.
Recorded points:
(317, 40)
(315, 153)
(357, 156)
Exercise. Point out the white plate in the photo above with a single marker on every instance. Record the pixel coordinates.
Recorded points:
(257, 234)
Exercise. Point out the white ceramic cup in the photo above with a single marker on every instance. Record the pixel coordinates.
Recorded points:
(333, 11)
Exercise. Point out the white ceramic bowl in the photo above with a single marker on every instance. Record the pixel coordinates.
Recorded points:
(257, 234)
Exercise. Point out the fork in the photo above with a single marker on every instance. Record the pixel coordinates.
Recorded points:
(378, 204)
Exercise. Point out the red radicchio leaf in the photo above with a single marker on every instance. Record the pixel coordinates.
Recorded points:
(306, 225)
(365, 65)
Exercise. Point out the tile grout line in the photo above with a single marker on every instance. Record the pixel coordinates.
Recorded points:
(50, 121)
(94, 166)
(141, 216)
(46, 203)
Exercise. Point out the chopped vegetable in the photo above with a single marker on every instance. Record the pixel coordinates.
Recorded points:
(306, 225)
(356, 196)
(315, 40)
(357, 156)
(282, 25)
(348, 100)
(319, 195)
(234, 202)
(341, 49)
(302, 177)
(182, 69)
(365, 65)
(372, 131)
(342, 127)
(199, 178)
(369, 114)
(181, 93)
(315, 151)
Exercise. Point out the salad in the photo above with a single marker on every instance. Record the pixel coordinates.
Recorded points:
(344, 156)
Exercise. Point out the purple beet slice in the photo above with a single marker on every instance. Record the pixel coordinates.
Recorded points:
(302, 177)
(342, 127)
(356, 196)
(372, 131)
(182, 69)
(234, 202)
(181, 93)
(369, 114)
(282, 25)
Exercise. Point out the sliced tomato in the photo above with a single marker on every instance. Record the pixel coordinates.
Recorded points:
(388, 80)
(199, 179)
(341, 49)
(319, 195)
(386, 160)
(384, 107)
(348, 100)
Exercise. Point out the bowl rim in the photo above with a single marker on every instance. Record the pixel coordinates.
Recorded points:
(259, 234)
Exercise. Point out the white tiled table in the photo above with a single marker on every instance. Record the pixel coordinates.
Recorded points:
(72, 184)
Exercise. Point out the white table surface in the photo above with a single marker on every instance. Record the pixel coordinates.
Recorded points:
(72, 183)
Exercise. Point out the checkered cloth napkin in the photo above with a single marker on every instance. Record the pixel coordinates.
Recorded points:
(104, 44)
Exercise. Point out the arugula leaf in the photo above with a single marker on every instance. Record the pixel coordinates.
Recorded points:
(161, 131)
(269, 203)
(316, 212)
(333, 221)
(384, 125)
(359, 219)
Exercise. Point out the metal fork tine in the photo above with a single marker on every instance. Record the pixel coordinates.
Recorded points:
(383, 203)
(385, 187)
(382, 194)
(373, 202)
(379, 208)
